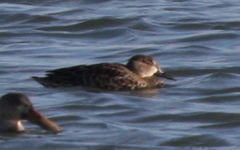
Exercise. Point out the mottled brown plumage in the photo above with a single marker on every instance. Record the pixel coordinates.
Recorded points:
(140, 72)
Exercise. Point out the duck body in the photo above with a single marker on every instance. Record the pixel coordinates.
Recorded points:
(105, 76)
(109, 76)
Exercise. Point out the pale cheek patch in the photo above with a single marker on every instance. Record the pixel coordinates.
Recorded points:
(151, 72)
(20, 126)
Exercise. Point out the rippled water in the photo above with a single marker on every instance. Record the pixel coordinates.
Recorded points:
(196, 41)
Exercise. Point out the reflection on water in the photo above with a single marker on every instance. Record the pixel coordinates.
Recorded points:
(195, 41)
(147, 93)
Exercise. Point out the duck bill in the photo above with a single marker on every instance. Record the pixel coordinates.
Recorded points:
(164, 75)
(38, 119)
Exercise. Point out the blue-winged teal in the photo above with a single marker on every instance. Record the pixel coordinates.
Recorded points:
(15, 107)
(140, 72)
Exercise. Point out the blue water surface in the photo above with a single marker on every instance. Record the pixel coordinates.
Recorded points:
(196, 41)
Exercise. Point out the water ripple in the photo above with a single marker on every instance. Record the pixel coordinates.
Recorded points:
(196, 141)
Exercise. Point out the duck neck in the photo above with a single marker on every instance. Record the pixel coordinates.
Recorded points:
(154, 82)
(11, 126)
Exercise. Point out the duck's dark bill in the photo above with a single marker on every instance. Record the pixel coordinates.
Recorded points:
(164, 75)
(36, 118)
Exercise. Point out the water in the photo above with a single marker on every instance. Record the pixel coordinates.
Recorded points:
(196, 41)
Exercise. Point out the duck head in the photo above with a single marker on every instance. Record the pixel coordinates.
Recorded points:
(15, 107)
(145, 66)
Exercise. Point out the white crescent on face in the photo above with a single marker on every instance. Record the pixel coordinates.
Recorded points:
(20, 126)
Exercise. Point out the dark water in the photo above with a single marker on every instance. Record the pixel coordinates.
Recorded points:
(196, 41)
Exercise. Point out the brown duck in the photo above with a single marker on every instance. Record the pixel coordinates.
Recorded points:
(15, 107)
(141, 72)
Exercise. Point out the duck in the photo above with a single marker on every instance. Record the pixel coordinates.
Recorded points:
(141, 72)
(15, 107)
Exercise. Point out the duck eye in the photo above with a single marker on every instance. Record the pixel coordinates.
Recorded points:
(24, 115)
(149, 62)
(24, 110)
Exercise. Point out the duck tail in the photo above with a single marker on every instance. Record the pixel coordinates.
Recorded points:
(43, 81)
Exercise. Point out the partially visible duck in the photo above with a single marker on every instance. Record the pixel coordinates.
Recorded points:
(140, 72)
(15, 107)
